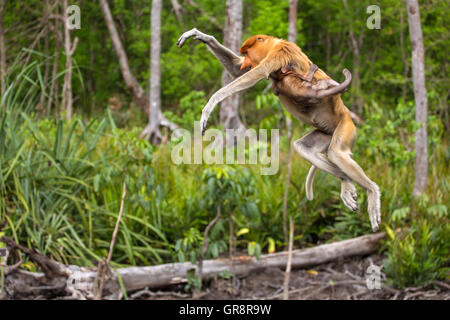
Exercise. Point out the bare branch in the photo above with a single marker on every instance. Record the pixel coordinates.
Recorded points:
(178, 9)
(116, 228)
(211, 19)
(289, 262)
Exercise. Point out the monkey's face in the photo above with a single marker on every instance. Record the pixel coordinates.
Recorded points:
(255, 49)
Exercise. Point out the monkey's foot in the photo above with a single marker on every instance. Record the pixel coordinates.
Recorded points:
(374, 208)
(348, 195)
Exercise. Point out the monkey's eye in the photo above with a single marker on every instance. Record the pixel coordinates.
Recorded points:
(259, 39)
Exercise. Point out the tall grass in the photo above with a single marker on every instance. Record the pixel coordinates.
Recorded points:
(60, 183)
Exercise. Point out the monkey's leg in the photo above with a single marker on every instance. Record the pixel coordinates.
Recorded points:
(229, 60)
(339, 152)
(312, 148)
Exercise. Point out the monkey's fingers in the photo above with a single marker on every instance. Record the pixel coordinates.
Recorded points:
(185, 36)
(348, 195)
(373, 221)
(379, 217)
(181, 41)
(203, 122)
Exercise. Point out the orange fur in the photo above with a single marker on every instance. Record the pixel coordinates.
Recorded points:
(279, 53)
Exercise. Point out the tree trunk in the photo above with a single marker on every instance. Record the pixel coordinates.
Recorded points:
(178, 11)
(229, 107)
(47, 60)
(404, 58)
(69, 48)
(53, 95)
(156, 119)
(420, 95)
(355, 43)
(2, 50)
(292, 36)
(130, 80)
(151, 131)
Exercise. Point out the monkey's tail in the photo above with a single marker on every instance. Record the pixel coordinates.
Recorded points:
(309, 183)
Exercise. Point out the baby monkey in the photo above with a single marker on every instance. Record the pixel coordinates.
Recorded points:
(305, 89)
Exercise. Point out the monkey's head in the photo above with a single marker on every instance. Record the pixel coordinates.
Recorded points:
(255, 49)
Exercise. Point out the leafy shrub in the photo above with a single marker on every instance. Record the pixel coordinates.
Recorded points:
(419, 254)
(191, 106)
(418, 257)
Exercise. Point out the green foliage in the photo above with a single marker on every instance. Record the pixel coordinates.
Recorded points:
(269, 17)
(193, 281)
(419, 254)
(388, 133)
(191, 107)
(272, 109)
(254, 249)
(189, 246)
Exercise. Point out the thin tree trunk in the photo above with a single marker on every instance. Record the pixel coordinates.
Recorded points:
(420, 95)
(292, 35)
(229, 107)
(156, 119)
(178, 11)
(355, 43)
(53, 96)
(288, 181)
(2, 50)
(130, 80)
(152, 131)
(47, 60)
(69, 48)
(287, 275)
(404, 57)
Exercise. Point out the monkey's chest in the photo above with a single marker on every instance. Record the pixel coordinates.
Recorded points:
(299, 111)
(317, 116)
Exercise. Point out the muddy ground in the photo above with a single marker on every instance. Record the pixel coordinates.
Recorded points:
(339, 280)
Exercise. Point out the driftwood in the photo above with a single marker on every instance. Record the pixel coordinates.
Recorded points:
(79, 282)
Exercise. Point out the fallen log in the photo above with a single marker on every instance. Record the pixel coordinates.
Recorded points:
(135, 278)
(79, 281)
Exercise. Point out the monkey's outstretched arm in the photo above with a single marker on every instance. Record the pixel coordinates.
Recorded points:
(229, 60)
(243, 82)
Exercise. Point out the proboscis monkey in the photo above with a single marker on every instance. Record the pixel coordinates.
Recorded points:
(315, 100)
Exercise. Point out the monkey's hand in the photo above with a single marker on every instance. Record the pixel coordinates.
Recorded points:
(193, 33)
(204, 121)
